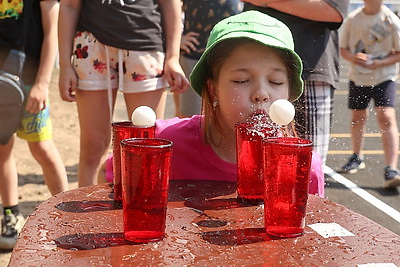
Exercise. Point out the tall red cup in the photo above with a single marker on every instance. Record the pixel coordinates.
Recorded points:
(287, 163)
(145, 177)
(249, 157)
(123, 130)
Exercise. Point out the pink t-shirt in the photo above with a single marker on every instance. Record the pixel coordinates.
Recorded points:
(192, 159)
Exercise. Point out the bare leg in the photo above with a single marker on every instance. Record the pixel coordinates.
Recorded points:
(154, 99)
(101, 177)
(8, 175)
(46, 154)
(177, 98)
(386, 117)
(95, 135)
(359, 118)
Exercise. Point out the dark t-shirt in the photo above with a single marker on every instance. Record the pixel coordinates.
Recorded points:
(315, 42)
(11, 30)
(136, 25)
(202, 15)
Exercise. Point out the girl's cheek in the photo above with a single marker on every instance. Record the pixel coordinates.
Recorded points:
(279, 95)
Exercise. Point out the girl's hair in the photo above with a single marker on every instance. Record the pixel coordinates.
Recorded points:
(215, 59)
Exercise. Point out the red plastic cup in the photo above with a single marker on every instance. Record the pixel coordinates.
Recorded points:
(249, 157)
(145, 177)
(123, 130)
(287, 163)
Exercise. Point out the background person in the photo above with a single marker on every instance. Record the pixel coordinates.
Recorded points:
(314, 25)
(199, 18)
(116, 44)
(370, 41)
(41, 49)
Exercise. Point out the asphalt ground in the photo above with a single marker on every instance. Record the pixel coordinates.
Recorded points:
(362, 192)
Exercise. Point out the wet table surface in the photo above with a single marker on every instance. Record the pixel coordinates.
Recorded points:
(205, 226)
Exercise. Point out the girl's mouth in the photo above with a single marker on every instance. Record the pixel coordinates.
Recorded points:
(258, 114)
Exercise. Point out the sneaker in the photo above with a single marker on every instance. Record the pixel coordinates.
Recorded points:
(392, 177)
(354, 164)
(11, 226)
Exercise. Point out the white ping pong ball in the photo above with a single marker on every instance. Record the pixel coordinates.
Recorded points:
(143, 116)
(281, 111)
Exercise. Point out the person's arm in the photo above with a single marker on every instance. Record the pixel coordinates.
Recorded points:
(357, 59)
(391, 59)
(68, 20)
(171, 14)
(317, 10)
(361, 59)
(40, 89)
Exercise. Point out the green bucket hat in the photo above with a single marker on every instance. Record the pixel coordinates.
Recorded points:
(256, 26)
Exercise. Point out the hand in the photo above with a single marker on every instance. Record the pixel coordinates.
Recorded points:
(189, 42)
(37, 98)
(373, 64)
(363, 60)
(67, 83)
(175, 76)
(360, 58)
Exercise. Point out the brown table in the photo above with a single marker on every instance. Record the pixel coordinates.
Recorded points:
(205, 226)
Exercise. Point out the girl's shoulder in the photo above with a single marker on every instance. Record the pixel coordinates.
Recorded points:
(178, 124)
(182, 131)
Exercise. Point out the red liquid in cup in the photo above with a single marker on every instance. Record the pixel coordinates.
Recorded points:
(145, 177)
(124, 130)
(287, 163)
(249, 136)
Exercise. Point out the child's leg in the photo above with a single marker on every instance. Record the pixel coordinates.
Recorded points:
(8, 175)
(386, 117)
(143, 83)
(358, 121)
(359, 98)
(12, 220)
(154, 99)
(95, 135)
(46, 154)
(101, 177)
(37, 130)
(385, 97)
(177, 100)
(106, 172)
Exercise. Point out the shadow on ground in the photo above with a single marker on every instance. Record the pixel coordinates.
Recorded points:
(32, 178)
(380, 190)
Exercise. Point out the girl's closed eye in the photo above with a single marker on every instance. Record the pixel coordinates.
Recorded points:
(279, 77)
(240, 80)
(277, 82)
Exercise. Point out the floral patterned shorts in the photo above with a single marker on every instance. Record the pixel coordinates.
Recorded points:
(98, 67)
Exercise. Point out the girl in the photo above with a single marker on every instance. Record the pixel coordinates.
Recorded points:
(249, 62)
(118, 44)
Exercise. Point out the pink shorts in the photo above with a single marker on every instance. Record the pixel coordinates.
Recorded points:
(99, 67)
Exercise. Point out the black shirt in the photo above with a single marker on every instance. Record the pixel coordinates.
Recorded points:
(315, 42)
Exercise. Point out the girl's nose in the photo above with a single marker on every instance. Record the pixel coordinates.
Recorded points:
(260, 96)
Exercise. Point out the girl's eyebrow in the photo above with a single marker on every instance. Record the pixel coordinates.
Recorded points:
(280, 70)
(244, 69)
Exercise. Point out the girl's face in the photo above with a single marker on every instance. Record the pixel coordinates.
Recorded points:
(250, 79)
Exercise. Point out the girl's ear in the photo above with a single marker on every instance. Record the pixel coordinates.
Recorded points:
(212, 90)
